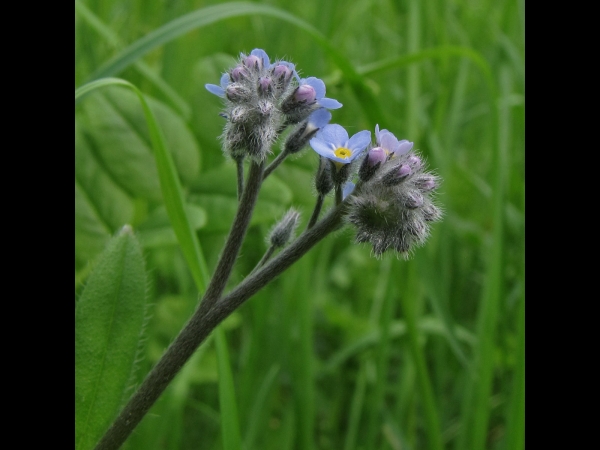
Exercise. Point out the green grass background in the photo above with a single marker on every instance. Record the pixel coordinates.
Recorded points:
(343, 351)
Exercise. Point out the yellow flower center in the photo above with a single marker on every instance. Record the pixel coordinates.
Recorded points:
(343, 152)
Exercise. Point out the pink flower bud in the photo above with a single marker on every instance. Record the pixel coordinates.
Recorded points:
(305, 93)
(376, 155)
(253, 61)
(239, 73)
(282, 72)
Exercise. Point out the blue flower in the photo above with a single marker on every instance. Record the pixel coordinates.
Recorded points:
(313, 89)
(392, 146)
(219, 90)
(332, 142)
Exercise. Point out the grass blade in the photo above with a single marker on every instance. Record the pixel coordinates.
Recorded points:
(230, 428)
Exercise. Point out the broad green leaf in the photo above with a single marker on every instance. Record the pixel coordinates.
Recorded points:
(109, 321)
(119, 135)
(101, 206)
(157, 231)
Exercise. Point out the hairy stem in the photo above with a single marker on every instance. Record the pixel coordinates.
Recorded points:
(264, 259)
(203, 322)
(240, 177)
(274, 164)
(338, 194)
(316, 211)
(187, 341)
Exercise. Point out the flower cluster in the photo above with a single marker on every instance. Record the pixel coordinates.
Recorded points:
(394, 207)
(262, 99)
(391, 203)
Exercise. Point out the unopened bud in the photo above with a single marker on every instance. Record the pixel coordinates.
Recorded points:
(305, 93)
(415, 162)
(413, 200)
(237, 93)
(396, 176)
(264, 85)
(426, 183)
(431, 213)
(239, 73)
(283, 231)
(298, 139)
(374, 159)
(253, 62)
(282, 72)
(323, 181)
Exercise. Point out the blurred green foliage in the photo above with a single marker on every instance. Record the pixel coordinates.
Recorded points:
(343, 351)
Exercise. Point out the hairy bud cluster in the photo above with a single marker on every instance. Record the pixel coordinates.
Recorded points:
(394, 208)
(262, 99)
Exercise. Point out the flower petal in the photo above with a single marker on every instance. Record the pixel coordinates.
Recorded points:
(319, 118)
(329, 103)
(225, 80)
(214, 89)
(321, 147)
(317, 84)
(259, 52)
(334, 134)
(347, 190)
(404, 146)
(388, 141)
(359, 142)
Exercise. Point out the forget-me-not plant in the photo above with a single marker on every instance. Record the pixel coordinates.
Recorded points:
(382, 190)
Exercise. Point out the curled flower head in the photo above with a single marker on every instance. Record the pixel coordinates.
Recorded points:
(394, 207)
(390, 144)
(332, 142)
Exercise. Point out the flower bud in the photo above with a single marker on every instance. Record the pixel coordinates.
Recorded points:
(239, 73)
(253, 62)
(374, 159)
(323, 181)
(265, 86)
(396, 176)
(283, 231)
(414, 162)
(305, 94)
(282, 72)
(426, 183)
(237, 93)
(413, 200)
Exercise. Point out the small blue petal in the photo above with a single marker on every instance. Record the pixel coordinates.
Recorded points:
(404, 146)
(317, 85)
(334, 134)
(321, 147)
(319, 118)
(214, 89)
(347, 190)
(329, 103)
(388, 141)
(259, 52)
(359, 142)
(225, 80)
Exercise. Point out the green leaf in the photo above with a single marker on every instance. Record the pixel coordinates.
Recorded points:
(101, 206)
(109, 321)
(156, 231)
(122, 142)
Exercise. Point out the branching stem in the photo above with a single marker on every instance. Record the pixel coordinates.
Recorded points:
(202, 323)
(275, 163)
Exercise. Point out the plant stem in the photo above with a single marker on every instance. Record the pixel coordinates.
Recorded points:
(264, 259)
(205, 320)
(338, 194)
(316, 211)
(240, 177)
(274, 164)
